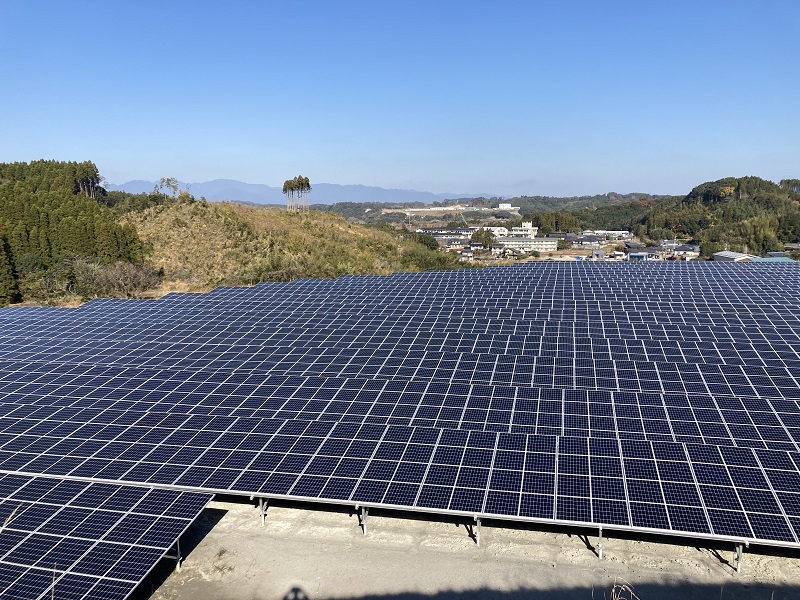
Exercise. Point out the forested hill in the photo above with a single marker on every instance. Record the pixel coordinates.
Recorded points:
(65, 239)
(201, 245)
(547, 203)
(373, 212)
(746, 214)
(48, 213)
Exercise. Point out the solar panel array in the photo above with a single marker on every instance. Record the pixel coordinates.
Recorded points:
(73, 539)
(658, 398)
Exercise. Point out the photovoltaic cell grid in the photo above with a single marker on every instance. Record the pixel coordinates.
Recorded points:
(73, 539)
(698, 490)
(83, 394)
(651, 397)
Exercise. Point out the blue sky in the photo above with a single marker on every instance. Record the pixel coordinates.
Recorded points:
(553, 98)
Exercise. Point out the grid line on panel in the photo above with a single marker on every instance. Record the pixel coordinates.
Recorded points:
(625, 485)
(735, 491)
(491, 471)
(369, 460)
(556, 471)
(696, 484)
(427, 467)
(793, 526)
(591, 486)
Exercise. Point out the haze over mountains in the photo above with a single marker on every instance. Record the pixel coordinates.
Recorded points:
(322, 193)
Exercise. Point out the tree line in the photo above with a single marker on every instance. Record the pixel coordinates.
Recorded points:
(50, 210)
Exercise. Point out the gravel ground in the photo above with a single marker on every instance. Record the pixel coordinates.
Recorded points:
(317, 554)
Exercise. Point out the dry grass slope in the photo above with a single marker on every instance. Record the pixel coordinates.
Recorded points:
(205, 245)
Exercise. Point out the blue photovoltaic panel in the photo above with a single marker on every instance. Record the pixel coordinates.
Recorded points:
(34, 392)
(733, 492)
(657, 397)
(72, 539)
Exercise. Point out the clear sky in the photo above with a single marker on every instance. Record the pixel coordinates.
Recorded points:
(557, 97)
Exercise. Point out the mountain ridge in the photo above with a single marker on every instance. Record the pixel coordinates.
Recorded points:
(323, 193)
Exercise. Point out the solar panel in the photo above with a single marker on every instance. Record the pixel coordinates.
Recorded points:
(72, 539)
(731, 492)
(657, 398)
(99, 396)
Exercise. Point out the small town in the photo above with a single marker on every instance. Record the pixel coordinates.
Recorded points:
(522, 243)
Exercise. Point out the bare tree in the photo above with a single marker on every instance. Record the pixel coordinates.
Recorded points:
(169, 183)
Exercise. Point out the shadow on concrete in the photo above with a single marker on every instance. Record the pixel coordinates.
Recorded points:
(716, 551)
(622, 591)
(719, 551)
(198, 530)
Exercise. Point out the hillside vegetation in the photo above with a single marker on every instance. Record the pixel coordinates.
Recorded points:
(64, 238)
(208, 244)
(746, 214)
(52, 224)
(373, 212)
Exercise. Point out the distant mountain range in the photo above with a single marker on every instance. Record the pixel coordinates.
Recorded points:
(322, 193)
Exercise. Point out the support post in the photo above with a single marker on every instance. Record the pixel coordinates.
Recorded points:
(477, 531)
(739, 557)
(600, 544)
(262, 509)
(178, 556)
(364, 514)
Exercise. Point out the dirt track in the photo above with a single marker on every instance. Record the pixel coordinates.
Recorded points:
(317, 554)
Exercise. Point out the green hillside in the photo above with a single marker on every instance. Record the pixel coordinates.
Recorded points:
(64, 239)
(209, 244)
(49, 215)
(373, 212)
(747, 214)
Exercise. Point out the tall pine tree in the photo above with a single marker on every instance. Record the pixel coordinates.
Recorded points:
(9, 292)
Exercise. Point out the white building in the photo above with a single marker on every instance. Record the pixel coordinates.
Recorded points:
(686, 252)
(643, 255)
(527, 230)
(496, 231)
(733, 256)
(590, 241)
(506, 206)
(527, 244)
(616, 234)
